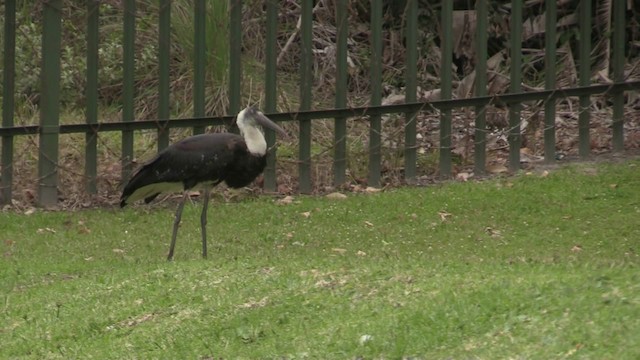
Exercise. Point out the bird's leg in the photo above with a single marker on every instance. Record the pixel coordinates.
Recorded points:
(176, 223)
(203, 221)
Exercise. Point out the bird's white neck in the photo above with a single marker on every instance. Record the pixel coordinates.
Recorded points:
(255, 140)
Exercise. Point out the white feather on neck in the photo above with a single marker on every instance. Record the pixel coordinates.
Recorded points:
(253, 136)
(255, 140)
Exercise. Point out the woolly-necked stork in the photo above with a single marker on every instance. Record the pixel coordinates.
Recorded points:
(204, 161)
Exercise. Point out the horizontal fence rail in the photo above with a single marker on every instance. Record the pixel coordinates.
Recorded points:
(355, 112)
(50, 128)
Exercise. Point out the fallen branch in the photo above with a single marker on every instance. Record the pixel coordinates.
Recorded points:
(287, 45)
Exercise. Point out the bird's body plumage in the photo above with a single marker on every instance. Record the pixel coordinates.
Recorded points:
(204, 160)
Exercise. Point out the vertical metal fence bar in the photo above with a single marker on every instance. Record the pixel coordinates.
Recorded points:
(480, 133)
(375, 121)
(445, 86)
(128, 82)
(271, 98)
(551, 13)
(164, 53)
(340, 124)
(235, 56)
(618, 73)
(306, 82)
(584, 117)
(91, 115)
(8, 100)
(50, 103)
(199, 60)
(411, 84)
(515, 136)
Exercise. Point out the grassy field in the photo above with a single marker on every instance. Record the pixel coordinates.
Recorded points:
(538, 266)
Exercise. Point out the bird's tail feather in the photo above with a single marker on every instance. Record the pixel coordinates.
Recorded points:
(141, 178)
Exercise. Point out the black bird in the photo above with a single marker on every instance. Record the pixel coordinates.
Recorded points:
(204, 161)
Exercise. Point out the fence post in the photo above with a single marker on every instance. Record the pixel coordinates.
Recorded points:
(128, 84)
(445, 87)
(235, 57)
(551, 12)
(584, 74)
(91, 115)
(515, 54)
(50, 104)
(164, 54)
(8, 88)
(270, 95)
(375, 121)
(411, 83)
(618, 73)
(306, 82)
(199, 61)
(340, 124)
(480, 132)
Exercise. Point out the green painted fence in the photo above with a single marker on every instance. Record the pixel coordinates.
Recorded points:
(50, 128)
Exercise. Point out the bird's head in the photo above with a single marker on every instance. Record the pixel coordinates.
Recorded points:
(250, 118)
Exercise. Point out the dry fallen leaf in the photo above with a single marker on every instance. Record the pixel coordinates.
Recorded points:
(526, 155)
(368, 223)
(285, 200)
(544, 173)
(136, 321)
(576, 248)
(42, 231)
(356, 188)
(336, 196)
(463, 176)
(497, 169)
(361, 253)
(82, 228)
(365, 339)
(306, 214)
(339, 250)
(371, 189)
(444, 215)
(252, 304)
(495, 233)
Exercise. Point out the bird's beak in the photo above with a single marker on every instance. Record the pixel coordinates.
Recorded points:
(266, 122)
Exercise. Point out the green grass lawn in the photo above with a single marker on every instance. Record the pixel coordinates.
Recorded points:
(535, 267)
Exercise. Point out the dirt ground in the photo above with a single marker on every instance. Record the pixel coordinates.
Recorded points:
(72, 180)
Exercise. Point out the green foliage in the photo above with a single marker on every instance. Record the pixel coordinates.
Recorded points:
(217, 36)
(28, 57)
(74, 62)
(528, 267)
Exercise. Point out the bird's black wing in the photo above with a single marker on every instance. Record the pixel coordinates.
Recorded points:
(183, 165)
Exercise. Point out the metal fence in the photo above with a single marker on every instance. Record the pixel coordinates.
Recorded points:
(49, 129)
